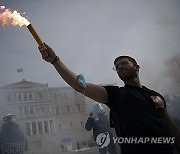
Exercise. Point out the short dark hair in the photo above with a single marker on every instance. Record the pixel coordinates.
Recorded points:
(128, 57)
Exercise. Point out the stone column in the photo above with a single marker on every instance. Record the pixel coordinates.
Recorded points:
(31, 132)
(54, 126)
(49, 127)
(37, 128)
(43, 131)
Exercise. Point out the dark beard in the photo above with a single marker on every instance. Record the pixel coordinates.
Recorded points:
(131, 74)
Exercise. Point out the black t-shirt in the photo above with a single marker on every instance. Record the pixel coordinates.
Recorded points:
(141, 115)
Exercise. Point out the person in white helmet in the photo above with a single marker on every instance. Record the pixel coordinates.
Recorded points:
(100, 125)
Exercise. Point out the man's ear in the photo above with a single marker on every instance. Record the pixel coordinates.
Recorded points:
(137, 67)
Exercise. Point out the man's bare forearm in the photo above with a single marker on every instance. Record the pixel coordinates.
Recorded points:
(92, 91)
(69, 76)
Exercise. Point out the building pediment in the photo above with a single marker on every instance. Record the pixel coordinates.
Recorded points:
(24, 84)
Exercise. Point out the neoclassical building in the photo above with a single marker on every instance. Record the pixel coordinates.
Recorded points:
(48, 116)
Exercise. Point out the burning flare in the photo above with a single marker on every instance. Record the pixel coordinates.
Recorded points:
(8, 17)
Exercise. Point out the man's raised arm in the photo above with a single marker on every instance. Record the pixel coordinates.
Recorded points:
(95, 92)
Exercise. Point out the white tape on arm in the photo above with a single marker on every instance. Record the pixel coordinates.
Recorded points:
(81, 81)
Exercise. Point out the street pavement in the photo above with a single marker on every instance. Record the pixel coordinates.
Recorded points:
(93, 150)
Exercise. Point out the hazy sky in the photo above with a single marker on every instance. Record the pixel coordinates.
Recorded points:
(88, 35)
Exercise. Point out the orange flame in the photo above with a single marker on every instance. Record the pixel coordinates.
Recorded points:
(15, 18)
(12, 17)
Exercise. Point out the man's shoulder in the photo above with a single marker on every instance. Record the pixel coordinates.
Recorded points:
(151, 90)
(115, 93)
(156, 96)
(114, 87)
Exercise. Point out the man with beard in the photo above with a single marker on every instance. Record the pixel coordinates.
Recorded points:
(141, 112)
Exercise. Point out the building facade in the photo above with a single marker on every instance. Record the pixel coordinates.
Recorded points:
(51, 118)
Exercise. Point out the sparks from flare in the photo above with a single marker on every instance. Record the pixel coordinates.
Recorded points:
(13, 17)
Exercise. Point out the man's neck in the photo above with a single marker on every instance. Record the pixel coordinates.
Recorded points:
(134, 82)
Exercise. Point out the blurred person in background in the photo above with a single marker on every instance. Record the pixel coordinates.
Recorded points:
(99, 124)
(78, 147)
(12, 139)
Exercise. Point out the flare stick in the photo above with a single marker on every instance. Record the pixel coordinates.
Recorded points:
(35, 35)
